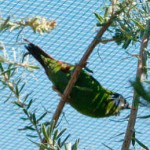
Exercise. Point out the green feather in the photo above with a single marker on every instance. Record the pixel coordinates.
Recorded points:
(88, 96)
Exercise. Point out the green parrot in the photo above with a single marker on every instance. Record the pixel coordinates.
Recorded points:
(88, 96)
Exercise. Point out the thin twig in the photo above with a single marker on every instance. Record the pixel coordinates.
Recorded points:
(35, 125)
(109, 40)
(82, 64)
(139, 74)
(114, 2)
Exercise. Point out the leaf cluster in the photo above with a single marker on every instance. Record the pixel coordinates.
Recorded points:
(129, 26)
(45, 131)
(39, 130)
(135, 140)
(140, 89)
(37, 24)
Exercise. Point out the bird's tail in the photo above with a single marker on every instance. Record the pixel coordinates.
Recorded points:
(37, 53)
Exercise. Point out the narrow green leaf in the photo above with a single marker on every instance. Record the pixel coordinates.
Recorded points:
(29, 104)
(26, 97)
(141, 144)
(1, 67)
(13, 72)
(133, 139)
(60, 134)
(46, 123)
(27, 128)
(41, 145)
(26, 112)
(126, 43)
(31, 136)
(59, 142)
(18, 104)
(75, 146)
(8, 71)
(18, 81)
(51, 128)
(120, 140)
(4, 84)
(106, 12)
(34, 119)
(24, 119)
(144, 117)
(139, 88)
(33, 67)
(22, 87)
(17, 91)
(30, 116)
(55, 136)
(107, 146)
(138, 24)
(117, 135)
(4, 25)
(99, 17)
(8, 98)
(44, 131)
(64, 141)
(127, 34)
(40, 118)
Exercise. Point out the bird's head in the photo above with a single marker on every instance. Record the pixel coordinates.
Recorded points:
(120, 101)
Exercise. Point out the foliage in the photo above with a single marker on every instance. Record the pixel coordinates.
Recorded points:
(134, 140)
(8, 71)
(45, 131)
(37, 24)
(129, 26)
(51, 134)
(8, 77)
(140, 89)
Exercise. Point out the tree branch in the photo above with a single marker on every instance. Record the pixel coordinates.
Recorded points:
(139, 74)
(82, 63)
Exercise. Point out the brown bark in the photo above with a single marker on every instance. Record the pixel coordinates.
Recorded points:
(139, 74)
(81, 65)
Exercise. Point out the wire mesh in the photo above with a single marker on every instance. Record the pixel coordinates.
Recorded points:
(67, 42)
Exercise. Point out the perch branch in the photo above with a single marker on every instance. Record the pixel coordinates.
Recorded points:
(81, 65)
(139, 74)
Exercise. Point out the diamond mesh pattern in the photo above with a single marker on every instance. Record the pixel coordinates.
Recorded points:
(67, 42)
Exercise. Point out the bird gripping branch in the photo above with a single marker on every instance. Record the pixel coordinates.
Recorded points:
(88, 96)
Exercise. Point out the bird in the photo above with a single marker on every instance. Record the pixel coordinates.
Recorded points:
(88, 96)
